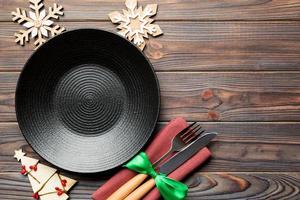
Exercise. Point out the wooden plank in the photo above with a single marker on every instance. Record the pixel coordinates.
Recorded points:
(194, 46)
(239, 147)
(243, 186)
(207, 96)
(173, 10)
(228, 96)
(207, 186)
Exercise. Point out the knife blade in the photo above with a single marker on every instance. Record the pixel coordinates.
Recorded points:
(182, 156)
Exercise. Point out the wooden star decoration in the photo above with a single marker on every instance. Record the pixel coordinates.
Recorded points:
(39, 23)
(135, 23)
(19, 154)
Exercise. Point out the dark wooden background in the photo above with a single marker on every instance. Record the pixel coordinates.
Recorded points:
(234, 65)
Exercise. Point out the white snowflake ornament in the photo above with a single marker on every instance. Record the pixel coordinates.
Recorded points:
(135, 23)
(39, 24)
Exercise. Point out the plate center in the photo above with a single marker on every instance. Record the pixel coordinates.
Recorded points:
(89, 99)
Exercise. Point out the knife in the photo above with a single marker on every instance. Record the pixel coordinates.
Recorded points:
(173, 163)
(182, 156)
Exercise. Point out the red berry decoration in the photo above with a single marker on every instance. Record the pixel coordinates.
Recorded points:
(64, 182)
(23, 170)
(36, 196)
(59, 191)
(33, 167)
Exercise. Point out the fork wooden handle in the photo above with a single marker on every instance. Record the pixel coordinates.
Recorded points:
(128, 187)
(141, 191)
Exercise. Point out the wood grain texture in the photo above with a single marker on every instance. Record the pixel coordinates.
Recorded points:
(244, 186)
(230, 96)
(206, 186)
(194, 46)
(232, 64)
(173, 9)
(239, 147)
(207, 96)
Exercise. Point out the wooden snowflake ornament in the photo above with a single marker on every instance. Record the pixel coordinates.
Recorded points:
(39, 23)
(135, 23)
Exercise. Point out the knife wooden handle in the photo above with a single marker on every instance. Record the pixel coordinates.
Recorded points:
(141, 191)
(128, 187)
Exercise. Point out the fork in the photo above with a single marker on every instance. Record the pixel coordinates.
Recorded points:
(179, 142)
(183, 138)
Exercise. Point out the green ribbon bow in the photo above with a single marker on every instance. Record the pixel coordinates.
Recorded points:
(168, 188)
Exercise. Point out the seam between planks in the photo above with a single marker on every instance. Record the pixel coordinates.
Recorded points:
(211, 122)
(182, 20)
(3, 71)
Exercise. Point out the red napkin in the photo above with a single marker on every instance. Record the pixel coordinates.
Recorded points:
(160, 144)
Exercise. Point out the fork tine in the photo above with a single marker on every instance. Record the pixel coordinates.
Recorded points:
(186, 129)
(191, 133)
(194, 136)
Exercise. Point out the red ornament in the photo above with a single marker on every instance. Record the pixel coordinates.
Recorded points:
(23, 170)
(36, 196)
(64, 182)
(33, 167)
(59, 191)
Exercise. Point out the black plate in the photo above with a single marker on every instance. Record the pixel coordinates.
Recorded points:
(87, 100)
